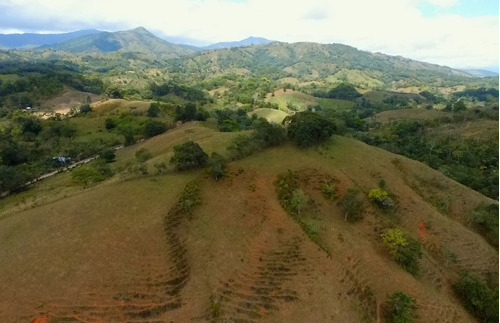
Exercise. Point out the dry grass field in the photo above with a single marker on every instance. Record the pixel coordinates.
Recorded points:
(123, 250)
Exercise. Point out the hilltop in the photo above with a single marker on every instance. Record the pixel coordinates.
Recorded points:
(135, 40)
(244, 42)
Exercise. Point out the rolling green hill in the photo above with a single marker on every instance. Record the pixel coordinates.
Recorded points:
(312, 61)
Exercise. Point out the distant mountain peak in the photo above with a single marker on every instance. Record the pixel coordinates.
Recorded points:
(244, 42)
(134, 40)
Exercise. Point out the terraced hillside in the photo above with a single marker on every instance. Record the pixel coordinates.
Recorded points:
(131, 249)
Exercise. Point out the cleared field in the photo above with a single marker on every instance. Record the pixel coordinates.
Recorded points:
(334, 104)
(123, 251)
(290, 100)
(67, 99)
(270, 115)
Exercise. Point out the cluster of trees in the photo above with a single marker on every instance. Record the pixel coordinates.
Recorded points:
(28, 144)
(132, 127)
(307, 128)
(342, 91)
(190, 112)
(477, 297)
(265, 135)
(186, 92)
(470, 161)
(35, 84)
(481, 94)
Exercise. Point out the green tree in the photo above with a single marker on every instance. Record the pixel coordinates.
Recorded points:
(153, 110)
(128, 134)
(229, 125)
(402, 308)
(307, 128)
(108, 155)
(153, 128)
(86, 175)
(459, 106)
(85, 108)
(216, 165)
(352, 206)
(188, 156)
(343, 92)
(477, 297)
(109, 124)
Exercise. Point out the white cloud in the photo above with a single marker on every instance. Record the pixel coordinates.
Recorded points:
(443, 3)
(394, 27)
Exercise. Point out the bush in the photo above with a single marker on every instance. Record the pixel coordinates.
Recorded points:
(109, 124)
(143, 155)
(477, 297)
(188, 156)
(402, 308)
(380, 198)
(403, 248)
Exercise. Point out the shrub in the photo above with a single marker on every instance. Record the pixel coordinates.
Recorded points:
(298, 201)
(143, 155)
(380, 198)
(402, 308)
(188, 156)
(403, 248)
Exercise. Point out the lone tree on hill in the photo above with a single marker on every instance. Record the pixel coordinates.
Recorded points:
(307, 128)
(188, 156)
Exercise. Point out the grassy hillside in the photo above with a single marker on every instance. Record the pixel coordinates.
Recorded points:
(135, 255)
(333, 62)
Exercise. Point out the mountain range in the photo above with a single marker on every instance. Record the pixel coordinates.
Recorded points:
(93, 39)
(140, 40)
(32, 40)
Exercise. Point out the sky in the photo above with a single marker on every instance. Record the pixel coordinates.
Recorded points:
(456, 33)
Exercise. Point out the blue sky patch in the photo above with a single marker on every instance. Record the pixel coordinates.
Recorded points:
(465, 8)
